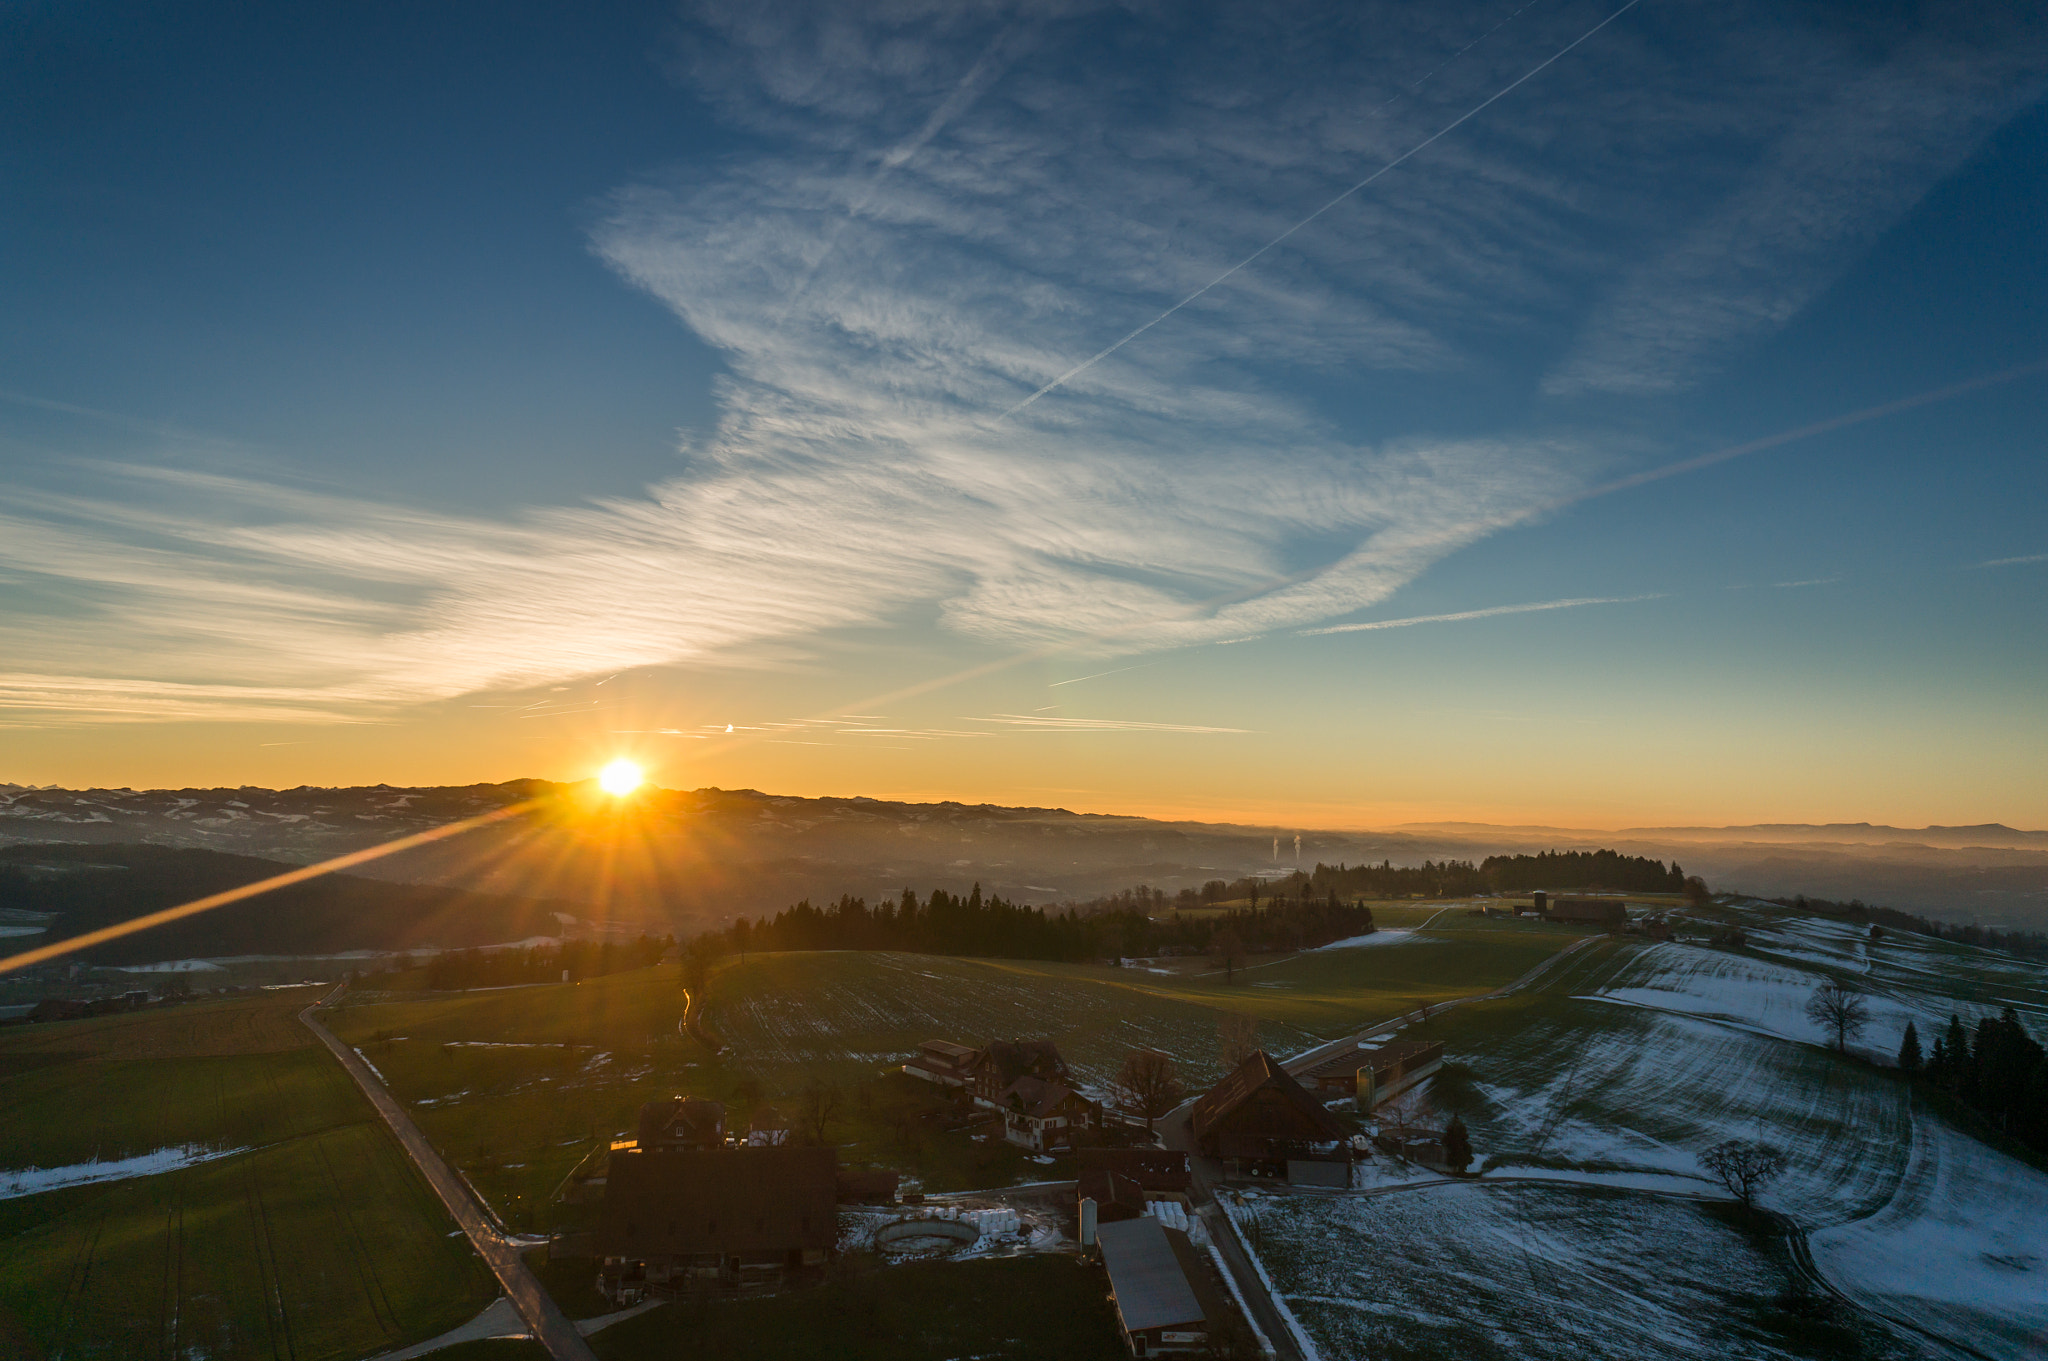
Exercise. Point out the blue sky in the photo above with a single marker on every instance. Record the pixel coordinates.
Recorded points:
(373, 381)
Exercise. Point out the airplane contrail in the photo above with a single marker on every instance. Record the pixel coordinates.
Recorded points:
(1411, 152)
(1487, 613)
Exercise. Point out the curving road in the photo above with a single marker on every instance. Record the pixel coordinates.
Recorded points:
(549, 1324)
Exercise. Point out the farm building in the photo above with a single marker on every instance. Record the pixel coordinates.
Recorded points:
(1159, 1170)
(714, 1216)
(1116, 1197)
(1260, 1117)
(943, 1062)
(1611, 913)
(1164, 1302)
(1376, 1070)
(681, 1122)
(1041, 1115)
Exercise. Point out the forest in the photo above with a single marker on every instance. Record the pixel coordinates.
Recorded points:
(2033, 944)
(948, 924)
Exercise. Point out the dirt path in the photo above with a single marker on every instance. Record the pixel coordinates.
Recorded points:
(550, 1326)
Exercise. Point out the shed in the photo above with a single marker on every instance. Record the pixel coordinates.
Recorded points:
(1116, 1197)
(1153, 1279)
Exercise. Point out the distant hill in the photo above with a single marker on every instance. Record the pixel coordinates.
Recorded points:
(82, 888)
(691, 859)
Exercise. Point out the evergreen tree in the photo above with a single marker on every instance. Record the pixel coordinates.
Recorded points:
(1909, 1051)
(1457, 1146)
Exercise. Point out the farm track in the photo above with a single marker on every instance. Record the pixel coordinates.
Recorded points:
(550, 1326)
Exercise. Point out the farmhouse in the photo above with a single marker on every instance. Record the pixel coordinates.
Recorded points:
(681, 1122)
(943, 1062)
(997, 1068)
(1041, 1115)
(1163, 1301)
(726, 1216)
(1376, 1070)
(1261, 1118)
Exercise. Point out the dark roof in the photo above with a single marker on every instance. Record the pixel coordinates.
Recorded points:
(1152, 1288)
(1012, 1059)
(1262, 1101)
(958, 1053)
(862, 1183)
(681, 1119)
(1108, 1189)
(1155, 1169)
(1036, 1097)
(727, 1200)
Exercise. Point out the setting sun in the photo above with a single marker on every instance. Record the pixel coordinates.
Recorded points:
(620, 777)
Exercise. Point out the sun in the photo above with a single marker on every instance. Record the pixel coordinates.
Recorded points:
(619, 778)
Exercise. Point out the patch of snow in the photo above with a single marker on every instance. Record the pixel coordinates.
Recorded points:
(29, 1181)
(1386, 935)
(1961, 1249)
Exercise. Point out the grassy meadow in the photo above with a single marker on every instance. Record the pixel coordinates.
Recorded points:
(312, 1238)
(518, 1085)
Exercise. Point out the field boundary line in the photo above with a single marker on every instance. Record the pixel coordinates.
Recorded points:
(535, 1306)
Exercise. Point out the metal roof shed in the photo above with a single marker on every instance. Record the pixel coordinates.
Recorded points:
(1152, 1291)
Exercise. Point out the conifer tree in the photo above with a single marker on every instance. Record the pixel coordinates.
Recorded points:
(1457, 1146)
(1909, 1051)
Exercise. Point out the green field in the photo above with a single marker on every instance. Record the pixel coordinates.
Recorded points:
(1023, 1307)
(517, 1086)
(314, 1238)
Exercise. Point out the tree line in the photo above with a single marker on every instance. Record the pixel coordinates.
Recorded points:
(453, 970)
(1998, 1070)
(949, 924)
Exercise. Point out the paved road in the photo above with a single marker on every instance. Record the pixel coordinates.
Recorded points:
(535, 1305)
(1177, 1131)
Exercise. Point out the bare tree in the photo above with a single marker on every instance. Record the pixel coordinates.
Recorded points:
(1743, 1167)
(1404, 1113)
(1148, 1085)
(816, 1108)
(1239, 1037)
(1228, 949)
(1840, 1011)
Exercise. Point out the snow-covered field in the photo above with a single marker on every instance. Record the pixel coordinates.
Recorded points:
(1515, 1270)
(1628, 1064)
(1961, 1250)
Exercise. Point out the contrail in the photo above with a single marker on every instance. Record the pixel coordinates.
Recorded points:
(1480, 614)
(236, 895)
(1419, 147)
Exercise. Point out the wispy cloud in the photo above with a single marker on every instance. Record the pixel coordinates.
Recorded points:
(1810, 581)
(2012, 562)
(1046, 724)
(946, 207)
(1488, 613)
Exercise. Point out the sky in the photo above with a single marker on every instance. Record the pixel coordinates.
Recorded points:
(1600, 415)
